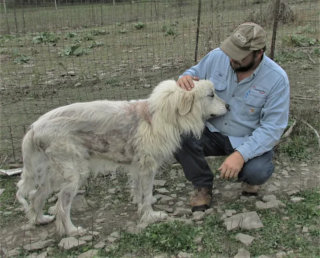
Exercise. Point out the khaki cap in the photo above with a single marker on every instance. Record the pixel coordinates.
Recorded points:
(246, 38)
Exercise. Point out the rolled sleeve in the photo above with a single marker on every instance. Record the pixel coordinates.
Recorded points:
(274, 120)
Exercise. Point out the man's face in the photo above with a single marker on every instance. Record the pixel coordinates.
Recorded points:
(245, 64)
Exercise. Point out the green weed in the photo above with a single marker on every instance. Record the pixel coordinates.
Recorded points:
(139, 25)
(45, 37)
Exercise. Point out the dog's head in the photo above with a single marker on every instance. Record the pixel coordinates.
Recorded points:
(187, 109)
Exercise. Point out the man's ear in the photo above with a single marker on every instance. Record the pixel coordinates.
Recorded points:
(186, 103)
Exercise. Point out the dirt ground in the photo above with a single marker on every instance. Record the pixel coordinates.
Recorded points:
(104, 204)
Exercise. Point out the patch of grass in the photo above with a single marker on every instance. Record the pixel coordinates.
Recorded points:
(139, 25)
(170, 237)
(169, 30)
(299, 41)
(287, 55)
(296, 147)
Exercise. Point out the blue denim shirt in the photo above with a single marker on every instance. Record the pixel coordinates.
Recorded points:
(259, 104)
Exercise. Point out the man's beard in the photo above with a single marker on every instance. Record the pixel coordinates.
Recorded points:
(242, 68)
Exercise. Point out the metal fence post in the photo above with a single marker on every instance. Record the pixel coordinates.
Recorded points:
(275, 27)
(198, 28)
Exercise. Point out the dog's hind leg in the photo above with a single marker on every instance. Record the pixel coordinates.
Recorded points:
(37, 200)
(74, 173)
(147, 214)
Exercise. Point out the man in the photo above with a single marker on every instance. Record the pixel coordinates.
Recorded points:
(257, 90)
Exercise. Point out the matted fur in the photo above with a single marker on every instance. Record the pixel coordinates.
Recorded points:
(63, 146)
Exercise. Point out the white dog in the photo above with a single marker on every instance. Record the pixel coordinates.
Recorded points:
(63, 146)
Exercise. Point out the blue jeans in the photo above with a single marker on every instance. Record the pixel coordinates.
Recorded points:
(192, 155)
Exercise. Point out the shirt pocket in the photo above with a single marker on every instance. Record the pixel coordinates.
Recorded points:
(219, 80)
(253, 104)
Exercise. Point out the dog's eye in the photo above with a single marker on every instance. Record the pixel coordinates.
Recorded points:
(211, 96)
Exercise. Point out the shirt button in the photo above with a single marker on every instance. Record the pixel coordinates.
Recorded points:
(225, 123)
(233, 95)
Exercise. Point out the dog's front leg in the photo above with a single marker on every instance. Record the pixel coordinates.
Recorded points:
(147, 214)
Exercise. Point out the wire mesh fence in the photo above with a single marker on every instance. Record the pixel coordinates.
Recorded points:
(55, 53)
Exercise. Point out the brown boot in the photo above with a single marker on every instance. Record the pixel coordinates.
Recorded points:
(201, 199)
(250, 190)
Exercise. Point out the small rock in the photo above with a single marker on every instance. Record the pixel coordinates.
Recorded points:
(198, 240)
(111, 239)
(179, 203)
(100, 245)
(263, 256)
(1, 191)
(161, 256)
(292, 192)
(86, 238)
(228, 187)
(296, 199)
(184, 255)
(305, 230)
(164, 207)
(198, 215)
(209, 211)
(245, 239)
(182, 185)
(272, 188)
(229, 213)
(89, 254)
(112, 191)
(162, 190)
(115, 234)
(273, 204)
(14, 252)
(70, 243)
(281, 254)
(78, 84)
(267, 198)
(38, 245)
(242, 253)
(159, 182)
(100, 220)
(248, 220)
(182, 211)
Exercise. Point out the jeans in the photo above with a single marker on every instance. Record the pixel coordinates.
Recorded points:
(192, 155)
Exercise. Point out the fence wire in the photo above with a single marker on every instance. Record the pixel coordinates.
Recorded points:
(55, 53)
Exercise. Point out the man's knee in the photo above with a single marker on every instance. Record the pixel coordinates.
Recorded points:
(257, 171)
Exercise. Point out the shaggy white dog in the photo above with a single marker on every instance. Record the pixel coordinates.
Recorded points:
(63, 146)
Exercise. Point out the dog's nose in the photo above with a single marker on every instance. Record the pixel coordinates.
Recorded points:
(228, 107)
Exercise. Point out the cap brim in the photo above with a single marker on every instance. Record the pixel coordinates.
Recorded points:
(232, 51)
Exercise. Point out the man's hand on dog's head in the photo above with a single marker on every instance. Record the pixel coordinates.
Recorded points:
(186, 82)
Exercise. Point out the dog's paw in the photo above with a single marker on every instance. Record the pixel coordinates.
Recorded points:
(77, 231)
(45, 219)
(154, 216)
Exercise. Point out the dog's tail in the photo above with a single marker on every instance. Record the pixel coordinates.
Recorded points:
(27, 184)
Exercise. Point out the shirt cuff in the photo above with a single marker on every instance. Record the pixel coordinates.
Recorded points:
(244, 152)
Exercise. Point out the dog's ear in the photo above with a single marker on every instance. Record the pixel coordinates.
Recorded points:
(186, 103)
